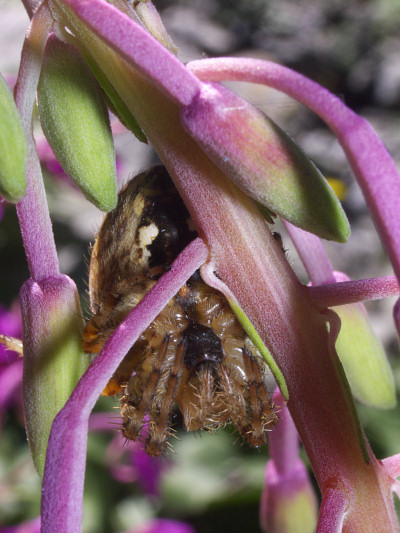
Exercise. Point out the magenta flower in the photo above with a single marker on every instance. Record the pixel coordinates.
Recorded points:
(33, 526)
(227, 159)
(10, 361)
(288, 498)
(164, 526)
(49, 161)
(127, 461)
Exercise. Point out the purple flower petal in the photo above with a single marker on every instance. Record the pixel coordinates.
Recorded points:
(140, 467)
(149, 470)
(10, 381)
(117, 450)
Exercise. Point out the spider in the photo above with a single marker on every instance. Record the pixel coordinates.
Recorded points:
(195, 356)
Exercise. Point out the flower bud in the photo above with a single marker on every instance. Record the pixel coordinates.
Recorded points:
(75, 121)
(13, 147)
(288, 502)
(264, 162)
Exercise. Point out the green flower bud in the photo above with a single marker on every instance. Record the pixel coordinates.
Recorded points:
(75, 121)
(13, 147)
(363, 358)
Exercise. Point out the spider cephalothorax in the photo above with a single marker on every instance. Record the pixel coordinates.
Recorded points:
(195, 355)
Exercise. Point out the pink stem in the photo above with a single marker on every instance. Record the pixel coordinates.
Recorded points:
(332, 512)
(32, 210)
(347, 292)
(31, 6)
(392, 465)
(283, 440)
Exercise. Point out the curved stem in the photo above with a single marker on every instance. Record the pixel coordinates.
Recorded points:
(32, 210)
(31, 6)
(284, 440)
(392, 465)
(348, 292)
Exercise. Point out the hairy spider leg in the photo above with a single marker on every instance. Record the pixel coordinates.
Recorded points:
(256, 434)
(269, 416)
(186, 399)
(160, 411)
(232, 398)
(133, 416)
(121, 376)
(203, 394)
(93, 341)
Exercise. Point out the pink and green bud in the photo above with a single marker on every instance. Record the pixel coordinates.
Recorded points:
(288, 503)
(75, 121)
(363, 356)
(13, 147)
(264, 162)
(53, 356)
